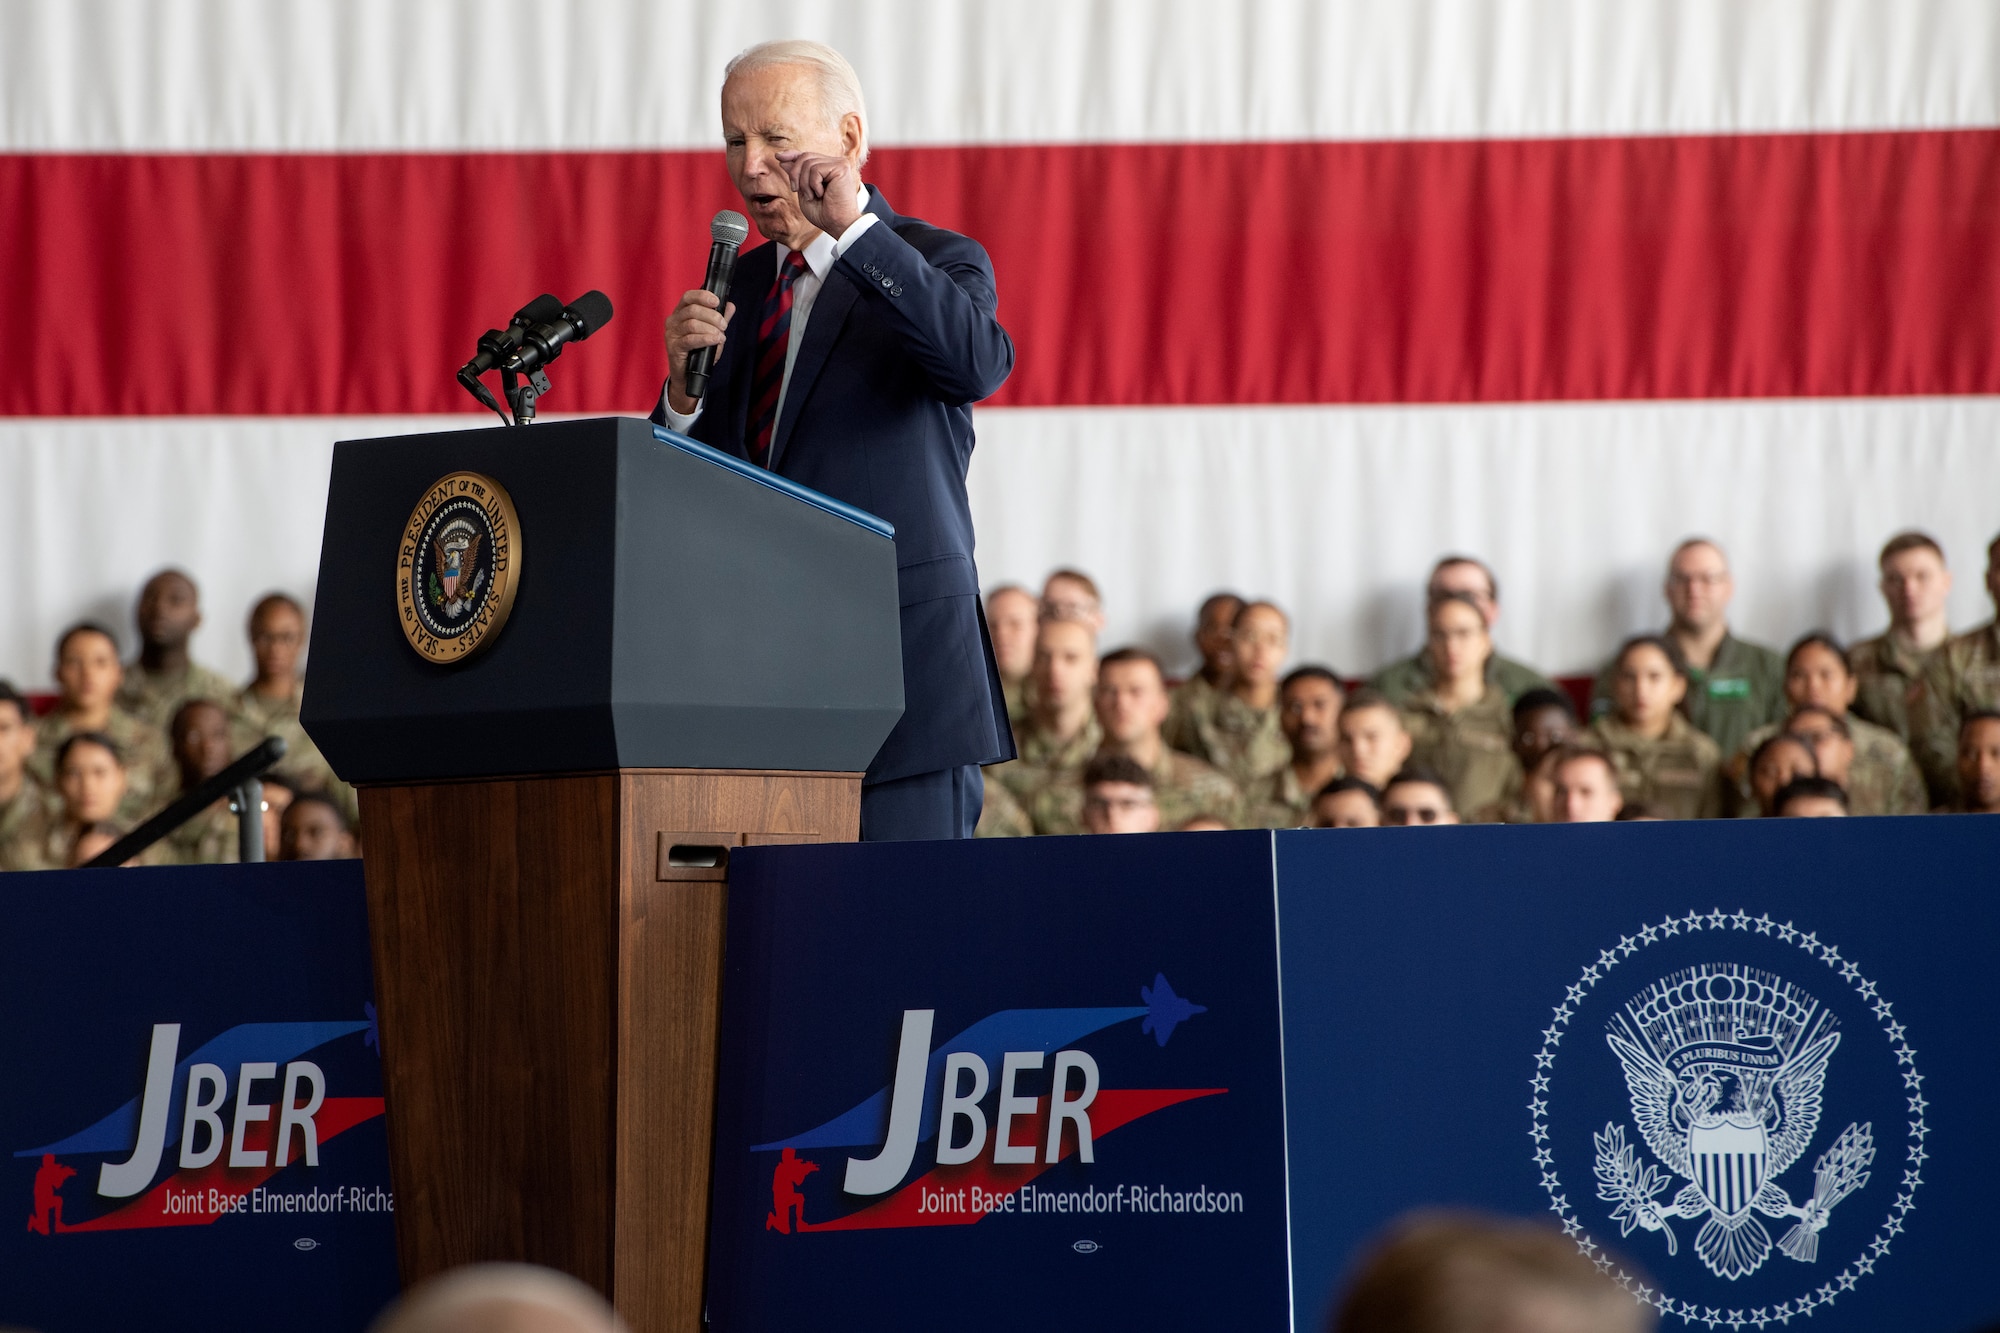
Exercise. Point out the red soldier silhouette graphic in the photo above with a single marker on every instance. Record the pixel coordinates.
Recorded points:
(786, 1201)
(47, 1217)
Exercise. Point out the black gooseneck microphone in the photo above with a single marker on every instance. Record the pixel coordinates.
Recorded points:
(726, 234)
(495, 345)
(544, 343)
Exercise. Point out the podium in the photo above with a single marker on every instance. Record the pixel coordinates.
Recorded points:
(570, 668)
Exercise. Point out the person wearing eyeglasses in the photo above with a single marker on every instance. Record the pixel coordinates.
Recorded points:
(1118, 796)
(1415, 798)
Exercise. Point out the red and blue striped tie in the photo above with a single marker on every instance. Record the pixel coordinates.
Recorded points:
(774, 335)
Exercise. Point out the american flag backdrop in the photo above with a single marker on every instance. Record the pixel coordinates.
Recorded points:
(1304, 293)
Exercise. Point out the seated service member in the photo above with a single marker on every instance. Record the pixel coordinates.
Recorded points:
(1586, 786)
(1661, 759)
(1374, 743)
(313, 829)
(1544, 721)
(90, 775)
(1733, 685)
(1465, 576)
(164, 677)
(28, 810)
(1347, 803)
(1214, 627)
(1979, 766)
(1825, 731)
(1131, 703)
(1012, 614)
(1964, 678)
(1885, 780)
(1415, 798)
(1778, 761)
(849, 361)
(1071, 594)
(1118, 796)
(1001, 816)
(1812, 798)
(200, 735)
(1462, 723)
(88, 674)
(1061, 731)
(1238, 731)
(269, 704)
(1309, 700)
(1889, 668)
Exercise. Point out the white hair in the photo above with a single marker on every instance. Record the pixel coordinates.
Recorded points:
(501, 1298)
(839, 85)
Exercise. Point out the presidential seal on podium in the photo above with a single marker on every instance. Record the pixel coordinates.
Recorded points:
(457, 566)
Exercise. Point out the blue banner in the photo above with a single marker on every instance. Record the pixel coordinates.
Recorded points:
(191, 1127)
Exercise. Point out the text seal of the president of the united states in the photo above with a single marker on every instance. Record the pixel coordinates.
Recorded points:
(457, 566)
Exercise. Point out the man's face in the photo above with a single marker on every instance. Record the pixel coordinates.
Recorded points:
(1833, 752)
(17, 742)
(1010, 618)
(1647, 687)
(1915, 584)
(1469, 579)
(1120, 807)
(1259, 645)
(1699, 587)
(1346, 809)
(1780, 765)
(1539, 731)
(88, 671)
(775, 110)
(1065, 663)
(1586, 792)
(1215, 633)
(1309, 713)
(1416, 804)
(1131, 701)
(169, 611)
(1818, 676)
(1373, 744)
(1065, 598)
(201, 742)
(1979, 766)
(92, 784)
(311, 832)
(276, 635)
(1458, 642)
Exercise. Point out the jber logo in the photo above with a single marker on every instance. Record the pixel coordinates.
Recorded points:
(980, 1116)
(206, 1132)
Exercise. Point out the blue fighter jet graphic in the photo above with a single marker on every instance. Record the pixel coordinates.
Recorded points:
(1165, 1010)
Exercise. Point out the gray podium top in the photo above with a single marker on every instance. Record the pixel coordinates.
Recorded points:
(674, 608)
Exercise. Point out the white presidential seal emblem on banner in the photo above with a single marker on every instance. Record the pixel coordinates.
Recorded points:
(1731, 1054)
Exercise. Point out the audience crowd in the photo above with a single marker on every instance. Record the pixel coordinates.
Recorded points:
(1691, 722)
(125, 739)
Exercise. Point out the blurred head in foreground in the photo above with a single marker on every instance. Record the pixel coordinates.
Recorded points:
(501, 1298)
(1438, 1272)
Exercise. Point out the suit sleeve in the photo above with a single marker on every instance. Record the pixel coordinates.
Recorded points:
(944, 306)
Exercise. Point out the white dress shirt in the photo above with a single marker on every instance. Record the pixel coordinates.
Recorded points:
(820, 252)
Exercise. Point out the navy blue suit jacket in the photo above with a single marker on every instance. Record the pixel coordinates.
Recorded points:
(901, 341)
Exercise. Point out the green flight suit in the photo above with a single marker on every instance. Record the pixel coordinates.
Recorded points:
(1405, 680)
(1472, 749)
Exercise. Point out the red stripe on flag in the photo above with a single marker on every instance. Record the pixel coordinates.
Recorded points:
(1480, 271)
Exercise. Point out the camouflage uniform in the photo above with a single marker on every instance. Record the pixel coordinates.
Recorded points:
(155, 696)
(1040, 758)
(149, 770)
(1015, 693)
(254, 716)
(1405, 680)
(1278, 802)
(1193, 698)
(1884, 779)
(1183, 787)
(209, 839)
(25, 824)
(1677, 776)
(1246, 743)
(1889, 676)
(1964, 677)
(1472, 749)
(1001, 816)
(1742, 689)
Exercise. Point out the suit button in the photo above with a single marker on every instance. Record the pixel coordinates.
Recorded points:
(888, 282)
(895, 291)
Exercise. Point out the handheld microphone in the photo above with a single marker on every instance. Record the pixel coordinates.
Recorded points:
(578, 320)
(497, 344)
(727, 232)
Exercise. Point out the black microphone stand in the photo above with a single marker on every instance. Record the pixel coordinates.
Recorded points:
(521, 397)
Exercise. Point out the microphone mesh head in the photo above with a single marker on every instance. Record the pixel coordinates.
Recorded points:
(593, 310)
(729, 227)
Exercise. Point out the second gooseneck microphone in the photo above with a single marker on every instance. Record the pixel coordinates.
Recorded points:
(726, 234)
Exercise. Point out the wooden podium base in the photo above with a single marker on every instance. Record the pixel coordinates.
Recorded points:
(548, 968)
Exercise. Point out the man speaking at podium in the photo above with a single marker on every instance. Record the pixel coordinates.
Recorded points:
(852, 351)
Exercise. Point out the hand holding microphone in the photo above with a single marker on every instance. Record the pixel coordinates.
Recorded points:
(701, 319)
